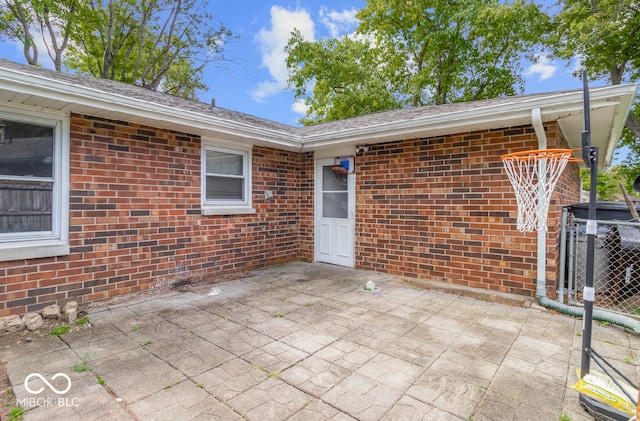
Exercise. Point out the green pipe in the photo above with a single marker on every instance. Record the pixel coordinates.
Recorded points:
(603, 316)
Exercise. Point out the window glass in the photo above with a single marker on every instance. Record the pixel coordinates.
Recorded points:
(225, 188)
(25, 206)
(26, 158)
(226, 177)
(332, 181)
(335, 205)
(26, 150)
(224, 163)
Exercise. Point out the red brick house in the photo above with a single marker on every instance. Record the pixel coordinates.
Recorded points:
(106, 188)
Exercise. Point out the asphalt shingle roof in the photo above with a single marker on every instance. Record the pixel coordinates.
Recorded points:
(365, 121)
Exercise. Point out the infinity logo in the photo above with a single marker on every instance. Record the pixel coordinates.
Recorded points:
(38, 375)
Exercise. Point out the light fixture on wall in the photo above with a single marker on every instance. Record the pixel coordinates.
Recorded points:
(362, 149)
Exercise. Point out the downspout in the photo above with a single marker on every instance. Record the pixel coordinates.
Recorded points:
(541, 263)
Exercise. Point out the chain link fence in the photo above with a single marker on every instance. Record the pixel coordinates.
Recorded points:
(616, 265)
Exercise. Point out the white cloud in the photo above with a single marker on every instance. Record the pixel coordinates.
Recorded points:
(266, 89)
(272, 42)
(544, 68)
(299, 107)
(338, 23)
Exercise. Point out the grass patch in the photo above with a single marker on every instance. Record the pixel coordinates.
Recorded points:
(479, 388)
(135, 328)
(60, 330)
(80, 368)
(101, 381)
(16, 413)
(83, 365)
(145, 343)
(82, 321)
(268, 373)
(278, 315)
(170, 385)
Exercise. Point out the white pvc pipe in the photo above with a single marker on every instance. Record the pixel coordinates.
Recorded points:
(541, 265)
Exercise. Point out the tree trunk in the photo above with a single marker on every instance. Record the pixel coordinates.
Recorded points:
(634, 125)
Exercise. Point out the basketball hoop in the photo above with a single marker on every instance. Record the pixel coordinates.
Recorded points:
(338, 170)
(534, 175)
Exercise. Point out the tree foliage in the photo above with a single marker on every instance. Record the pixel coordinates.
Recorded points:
(40, 22)
(608, 183)
(603, 35)
(157, 44)
(417, 52)
(345, 88)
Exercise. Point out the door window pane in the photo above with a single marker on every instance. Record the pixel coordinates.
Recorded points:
(335, 205)
(331, 181)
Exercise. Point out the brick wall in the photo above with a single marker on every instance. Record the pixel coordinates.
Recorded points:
(307, 215)
(135, 219)
(437, 208)
(443, 209)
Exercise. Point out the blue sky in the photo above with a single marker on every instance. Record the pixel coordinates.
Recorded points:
(255, 78)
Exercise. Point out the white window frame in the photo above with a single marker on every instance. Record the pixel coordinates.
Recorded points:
(32, 245)
(227, 207)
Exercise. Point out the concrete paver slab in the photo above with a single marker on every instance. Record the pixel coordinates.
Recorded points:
(135, 374)
(320, 411)
(271, 399)
(228, 380)
(238, 342)
(183, 401)
(314, 375)
(306, 342)
(188, 353)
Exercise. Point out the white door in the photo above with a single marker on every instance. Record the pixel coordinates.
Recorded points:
(334, 215)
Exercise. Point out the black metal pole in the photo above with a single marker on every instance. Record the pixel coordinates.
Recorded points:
(590, 157)
(589, 291)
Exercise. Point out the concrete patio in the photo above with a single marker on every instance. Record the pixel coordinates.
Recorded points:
(306, 342)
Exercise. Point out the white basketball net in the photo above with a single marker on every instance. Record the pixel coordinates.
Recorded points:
(534, 176)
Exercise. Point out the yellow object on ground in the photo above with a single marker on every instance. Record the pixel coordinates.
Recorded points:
(601, 387)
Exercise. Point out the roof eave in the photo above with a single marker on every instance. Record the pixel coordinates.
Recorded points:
(82, 99)
(79, 97)
(493, 116)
